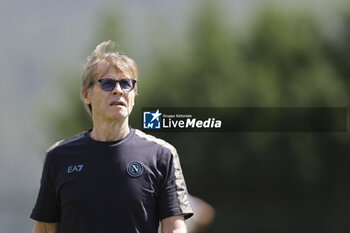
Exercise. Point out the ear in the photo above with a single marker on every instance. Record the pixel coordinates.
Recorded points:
(133, 100)
(87, 96)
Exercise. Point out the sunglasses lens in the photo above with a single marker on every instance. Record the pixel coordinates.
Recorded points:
(126, 84)
(107, 84)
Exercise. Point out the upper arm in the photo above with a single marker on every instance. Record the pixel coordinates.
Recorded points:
(47, 206)
(44, 227)
(173, 197)
(175, 224)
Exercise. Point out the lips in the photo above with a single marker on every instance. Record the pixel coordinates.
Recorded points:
(118, 103)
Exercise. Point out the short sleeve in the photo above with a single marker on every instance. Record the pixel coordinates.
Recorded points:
(47, 208)
(173, 198)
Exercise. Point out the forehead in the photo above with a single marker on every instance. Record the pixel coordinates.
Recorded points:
(105, 68)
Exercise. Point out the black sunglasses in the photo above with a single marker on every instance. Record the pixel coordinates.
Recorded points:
(108, 84)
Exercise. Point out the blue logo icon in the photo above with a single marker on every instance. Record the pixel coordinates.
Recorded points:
(134, 169)
(151, 120)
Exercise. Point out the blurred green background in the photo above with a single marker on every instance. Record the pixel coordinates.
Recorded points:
(280, 55)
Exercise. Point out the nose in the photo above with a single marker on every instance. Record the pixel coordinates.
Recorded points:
(117, 89)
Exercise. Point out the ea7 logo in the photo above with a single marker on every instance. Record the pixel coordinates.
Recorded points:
(75, 168)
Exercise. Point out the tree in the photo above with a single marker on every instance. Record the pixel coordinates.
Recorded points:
(257, 182)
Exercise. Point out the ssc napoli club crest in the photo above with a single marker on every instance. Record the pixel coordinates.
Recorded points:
(134, 169)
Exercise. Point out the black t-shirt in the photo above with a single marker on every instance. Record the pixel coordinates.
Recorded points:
(121, 186)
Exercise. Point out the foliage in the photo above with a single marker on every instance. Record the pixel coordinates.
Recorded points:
(256, 182)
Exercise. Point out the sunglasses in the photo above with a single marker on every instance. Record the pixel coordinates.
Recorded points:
(108, 84)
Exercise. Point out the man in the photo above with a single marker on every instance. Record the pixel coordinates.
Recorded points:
(112, 178)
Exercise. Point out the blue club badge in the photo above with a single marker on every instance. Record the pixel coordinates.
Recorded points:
(134, 169)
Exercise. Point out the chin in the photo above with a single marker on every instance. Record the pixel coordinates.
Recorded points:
(119, 116)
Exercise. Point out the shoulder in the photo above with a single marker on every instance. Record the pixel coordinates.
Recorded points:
(156, 142)
(76, 139)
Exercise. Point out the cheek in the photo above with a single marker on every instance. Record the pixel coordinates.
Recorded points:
(98, 100)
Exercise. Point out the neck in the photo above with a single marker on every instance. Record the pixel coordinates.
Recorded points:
(110, 131)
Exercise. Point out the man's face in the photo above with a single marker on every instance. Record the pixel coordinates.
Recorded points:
(115, 105)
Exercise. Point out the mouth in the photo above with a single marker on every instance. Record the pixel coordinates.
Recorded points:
(117, 103)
